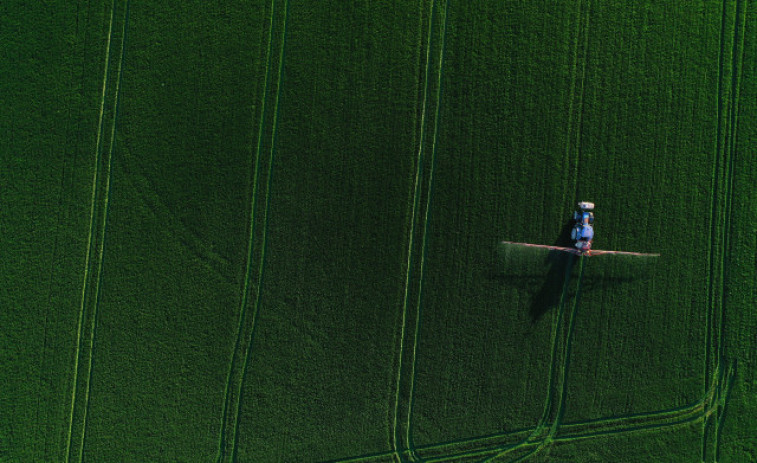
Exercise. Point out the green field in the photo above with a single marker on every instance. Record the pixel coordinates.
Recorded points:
(269, 231)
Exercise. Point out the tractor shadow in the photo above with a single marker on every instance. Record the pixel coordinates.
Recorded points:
(559, 263)
(550, 285)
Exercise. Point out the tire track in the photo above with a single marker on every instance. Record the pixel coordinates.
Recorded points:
(693, 414)
(581, 28)
(699, 410)
(413, 456)
(714, 210)
(566, 358)
(91, 245)
(737, 58)
(538, 429)
(236, 404)
(229, 402)
(144, 189)
(571, 98)
(737, 55)
(552, 413)
(395, 432)
(261, 267)
(62, 188)
(721, 212)
(468, 447)
(106, 201)
(722, 407)
(581, 102)
(581, 430)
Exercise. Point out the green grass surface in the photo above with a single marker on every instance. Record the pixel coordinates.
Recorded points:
(267, 231)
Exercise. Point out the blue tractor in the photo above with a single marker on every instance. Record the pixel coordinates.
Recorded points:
(583, 232)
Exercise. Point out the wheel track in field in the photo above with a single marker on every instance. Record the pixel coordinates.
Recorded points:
(119, 74)
(59, 219)
(709, 312)
(729, 150)
(261, 267)
(613, 425)
(581, 40)
(424, 242)
(488, 446)
(251, 238)
(571, 98)
(506, 450)
(398, 453)
(714, 398)
(581, 102)
(85, 280)
(238, 366)
(721, 213)
(144, 189)
(95, 244)
(561, 342)
(737, 56)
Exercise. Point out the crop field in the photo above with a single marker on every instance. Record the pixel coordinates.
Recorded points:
(270, 231)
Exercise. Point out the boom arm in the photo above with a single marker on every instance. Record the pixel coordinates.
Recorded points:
(544, 246)
(592, 252)
(599, 252)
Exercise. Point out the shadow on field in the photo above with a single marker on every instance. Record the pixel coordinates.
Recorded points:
(516, 268)
(559, 263)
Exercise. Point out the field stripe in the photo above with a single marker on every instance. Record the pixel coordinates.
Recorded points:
(715, 185)
(103, 226)
(235, 405)
(611, 426)
(557, 319)
(551, 384)
(737, 57)
(395, 438)
(261, 267)
(574, 125)
(424, 240)
(579, 430)
(566, 357)
(227, 406)
(62, 188)
(722, 404)
(581, 101)
(711, 249)
(88, 256)
(571, 98)
(721, 213)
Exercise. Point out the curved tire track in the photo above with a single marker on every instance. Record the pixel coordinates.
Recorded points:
(489, 446)
(242, 338)
(229, 439)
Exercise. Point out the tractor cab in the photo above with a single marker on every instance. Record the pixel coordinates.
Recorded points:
(583, 232)
(584, 216)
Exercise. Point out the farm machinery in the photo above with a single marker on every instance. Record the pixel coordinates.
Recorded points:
(582, 234)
